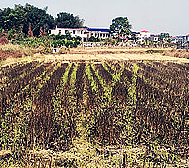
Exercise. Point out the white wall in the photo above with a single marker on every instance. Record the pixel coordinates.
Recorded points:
(143, 35)
(81, 32)
(99, 34)
(74, 32)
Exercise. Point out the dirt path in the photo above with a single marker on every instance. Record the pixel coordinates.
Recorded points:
(112, 54)
(101, 54)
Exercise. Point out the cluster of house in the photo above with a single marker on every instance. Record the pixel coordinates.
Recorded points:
(101, 33)
(163, 37)
(84, 33)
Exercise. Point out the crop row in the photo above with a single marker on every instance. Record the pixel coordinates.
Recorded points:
(47, 105)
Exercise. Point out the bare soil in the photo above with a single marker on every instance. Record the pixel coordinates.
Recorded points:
(107, 54)
(119, 54)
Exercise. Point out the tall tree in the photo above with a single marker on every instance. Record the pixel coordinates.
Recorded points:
(38, 18)
(23, 15)
(67, 20)
(120, 25)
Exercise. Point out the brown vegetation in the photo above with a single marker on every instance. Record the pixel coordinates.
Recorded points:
(14, 51)
(13, 54)
(4, 40)
(115, 51)
(50, 110)
(177, 53)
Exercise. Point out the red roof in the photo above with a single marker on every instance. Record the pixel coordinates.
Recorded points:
(187, 35)
(144, 31)
(174, 37)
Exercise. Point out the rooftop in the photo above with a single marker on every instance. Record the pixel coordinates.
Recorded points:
(145, 31)
(98, 29)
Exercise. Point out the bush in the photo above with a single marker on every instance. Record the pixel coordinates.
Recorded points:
(182, 53)
(43, 44)
(4, 40)
(63, 50)
(14, 54)
(93, 39)
(16, 51)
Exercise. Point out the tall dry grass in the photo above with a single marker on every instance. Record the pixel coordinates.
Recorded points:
(182, 53)
(16, 49)
(10, 53)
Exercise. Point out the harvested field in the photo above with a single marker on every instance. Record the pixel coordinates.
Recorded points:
(95, 110)
(105, 54)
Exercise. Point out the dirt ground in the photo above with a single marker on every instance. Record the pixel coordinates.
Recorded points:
(103, 54)
(117, 54)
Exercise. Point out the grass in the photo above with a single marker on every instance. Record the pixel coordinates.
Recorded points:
(11, 47)
(84, 154)
(10, 53)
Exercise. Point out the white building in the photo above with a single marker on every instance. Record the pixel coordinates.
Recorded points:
(143, 35)
(74, 32)
(99, 33)
(84, 33)
(174, 40)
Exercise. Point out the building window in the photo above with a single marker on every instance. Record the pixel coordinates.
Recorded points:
(81, 31)
(73, 31)
(59, 31)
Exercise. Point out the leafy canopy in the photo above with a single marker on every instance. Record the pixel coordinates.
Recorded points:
(67, 20)
(20, 17)
(120, 25)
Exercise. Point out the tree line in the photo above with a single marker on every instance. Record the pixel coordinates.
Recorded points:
(21, 19)
(19, 25)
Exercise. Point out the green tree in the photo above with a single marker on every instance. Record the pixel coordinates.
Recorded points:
(164, 37)
(23, 15)
(38, 18)
(93, 39)
(12, 34)
(67, 20)
(120, 25)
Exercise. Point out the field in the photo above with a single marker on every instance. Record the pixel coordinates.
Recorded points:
(95, 109)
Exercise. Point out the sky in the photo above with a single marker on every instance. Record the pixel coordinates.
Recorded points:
(156, 16)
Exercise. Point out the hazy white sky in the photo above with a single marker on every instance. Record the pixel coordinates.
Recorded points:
(153, 15)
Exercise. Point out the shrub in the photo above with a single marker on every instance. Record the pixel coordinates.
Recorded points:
(93, 39)
(16, 51)
(63, 50)
(8, 53)
(4, 40)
